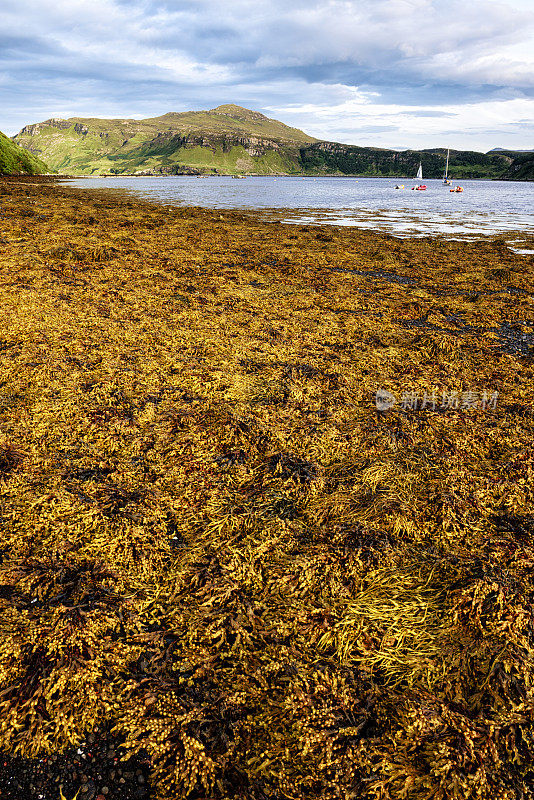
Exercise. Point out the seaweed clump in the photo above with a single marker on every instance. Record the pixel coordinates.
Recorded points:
(214, 544)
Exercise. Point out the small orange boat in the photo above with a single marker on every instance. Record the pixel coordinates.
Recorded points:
(457, 189)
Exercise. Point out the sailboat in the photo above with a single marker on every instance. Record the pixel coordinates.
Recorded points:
(419, 177)
(446, 180)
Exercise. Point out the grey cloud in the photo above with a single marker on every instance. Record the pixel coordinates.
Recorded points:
(363, 36)
(115, 57)
(17, 46)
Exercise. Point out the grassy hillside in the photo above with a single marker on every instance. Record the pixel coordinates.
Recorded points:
(90, 146)
(14, 159)
(230, 140)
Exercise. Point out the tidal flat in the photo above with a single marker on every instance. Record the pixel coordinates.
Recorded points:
(220, 561)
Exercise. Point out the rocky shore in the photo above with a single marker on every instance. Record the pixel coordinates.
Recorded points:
(267, 507)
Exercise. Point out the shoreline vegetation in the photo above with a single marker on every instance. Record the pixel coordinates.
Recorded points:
(220, 560)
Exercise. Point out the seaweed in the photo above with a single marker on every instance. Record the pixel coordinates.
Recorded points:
(219, 557)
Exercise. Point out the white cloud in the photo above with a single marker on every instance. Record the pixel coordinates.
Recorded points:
(458, 126)
(333, 65)
(446, 39)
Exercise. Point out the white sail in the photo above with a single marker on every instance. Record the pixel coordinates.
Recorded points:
(419, 175)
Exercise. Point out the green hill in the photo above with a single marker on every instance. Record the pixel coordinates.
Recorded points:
(15, 160)
(232, 140)
(227, 139)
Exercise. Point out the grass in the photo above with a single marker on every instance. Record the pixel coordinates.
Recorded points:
(230, 160)
(214, 541)
(14, 160)
(68, 152)
(142, 144)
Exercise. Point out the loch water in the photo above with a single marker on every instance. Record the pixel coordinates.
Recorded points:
(484, 208)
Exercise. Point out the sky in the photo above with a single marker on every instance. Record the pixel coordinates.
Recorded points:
(388, 73)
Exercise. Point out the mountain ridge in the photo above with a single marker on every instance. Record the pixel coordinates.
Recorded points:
(230, 139)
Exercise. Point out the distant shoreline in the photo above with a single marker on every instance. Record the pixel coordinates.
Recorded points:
(299, 177)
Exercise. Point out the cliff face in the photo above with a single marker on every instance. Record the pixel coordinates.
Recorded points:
(253, 145)
(229, 140)
(35, 129)
(15, 160)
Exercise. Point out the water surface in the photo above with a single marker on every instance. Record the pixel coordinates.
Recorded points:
(484, 208)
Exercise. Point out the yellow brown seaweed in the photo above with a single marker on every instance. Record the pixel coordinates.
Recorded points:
(213, 538)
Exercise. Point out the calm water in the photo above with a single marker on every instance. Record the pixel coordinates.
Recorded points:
(484, 208)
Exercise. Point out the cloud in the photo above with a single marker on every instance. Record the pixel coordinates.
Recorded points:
(398, 64)
(448, 39)
(476, 126)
